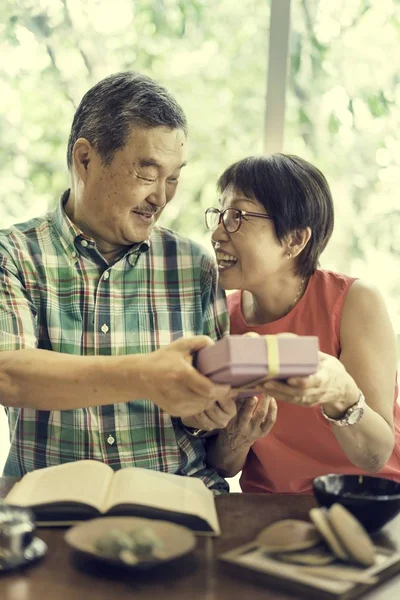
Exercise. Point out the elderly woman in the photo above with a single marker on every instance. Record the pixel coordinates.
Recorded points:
(274, 220)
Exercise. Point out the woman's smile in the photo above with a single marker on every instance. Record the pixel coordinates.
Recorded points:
(225, 260)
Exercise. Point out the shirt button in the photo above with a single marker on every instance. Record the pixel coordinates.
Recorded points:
(104, 328)
(106, 275)
(84, 243)
(74, 255)
(110, 440)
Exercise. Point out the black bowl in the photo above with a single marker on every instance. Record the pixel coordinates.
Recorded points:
(374, 501)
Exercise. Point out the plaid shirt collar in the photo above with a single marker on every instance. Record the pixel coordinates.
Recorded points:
(71, 236)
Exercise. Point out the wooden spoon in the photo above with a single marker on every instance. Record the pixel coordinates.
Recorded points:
(289, 535)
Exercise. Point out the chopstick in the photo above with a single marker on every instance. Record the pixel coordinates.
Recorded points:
(345, 574)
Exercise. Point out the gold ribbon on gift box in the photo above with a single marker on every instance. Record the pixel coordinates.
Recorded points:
(273, 362)
(272, 354)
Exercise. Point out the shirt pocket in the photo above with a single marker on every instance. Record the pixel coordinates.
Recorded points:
(159, 328)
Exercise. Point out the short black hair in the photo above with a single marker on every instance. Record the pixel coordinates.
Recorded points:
(294, 193)
(108, 111)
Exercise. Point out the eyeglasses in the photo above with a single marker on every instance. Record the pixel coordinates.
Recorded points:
(231, 218)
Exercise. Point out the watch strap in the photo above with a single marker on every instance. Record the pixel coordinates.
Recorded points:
(347, 419)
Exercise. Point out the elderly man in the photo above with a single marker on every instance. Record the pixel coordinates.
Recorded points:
(100, 310)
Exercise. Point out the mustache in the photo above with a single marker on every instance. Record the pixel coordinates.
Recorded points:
(147, 209)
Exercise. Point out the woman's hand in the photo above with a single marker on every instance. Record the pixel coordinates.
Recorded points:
(254, 419)
(331, 386)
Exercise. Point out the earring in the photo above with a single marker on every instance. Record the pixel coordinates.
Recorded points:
(289, 255)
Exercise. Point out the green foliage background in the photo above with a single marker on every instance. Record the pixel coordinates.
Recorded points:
(343, 103)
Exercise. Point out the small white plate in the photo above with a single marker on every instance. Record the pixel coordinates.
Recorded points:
(177, 540)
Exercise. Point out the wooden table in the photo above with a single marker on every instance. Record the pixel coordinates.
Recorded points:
(198, 576)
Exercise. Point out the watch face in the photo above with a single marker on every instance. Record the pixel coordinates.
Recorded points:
(355, 416)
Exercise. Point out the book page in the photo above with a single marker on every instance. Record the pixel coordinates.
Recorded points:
(165, 491)
(85, 481)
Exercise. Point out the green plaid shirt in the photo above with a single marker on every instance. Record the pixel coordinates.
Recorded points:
(58, 293)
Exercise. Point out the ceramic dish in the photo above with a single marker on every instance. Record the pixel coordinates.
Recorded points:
(177, 540)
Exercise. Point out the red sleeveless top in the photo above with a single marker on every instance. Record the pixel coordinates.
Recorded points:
(301, 445)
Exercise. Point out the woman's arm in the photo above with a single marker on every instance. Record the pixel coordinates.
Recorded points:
(369, 356)
(367, 363)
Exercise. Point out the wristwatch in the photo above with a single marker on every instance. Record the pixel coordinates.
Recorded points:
(352, 414)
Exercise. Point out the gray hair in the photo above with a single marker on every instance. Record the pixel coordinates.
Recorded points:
(109, 110)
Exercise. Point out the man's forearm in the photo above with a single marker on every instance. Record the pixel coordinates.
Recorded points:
(46, 380)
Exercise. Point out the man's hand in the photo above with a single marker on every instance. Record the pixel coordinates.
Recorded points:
(171, 381)
(215, 417)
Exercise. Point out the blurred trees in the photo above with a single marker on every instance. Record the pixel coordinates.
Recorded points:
(343, 103)
(343, 113)
(213, 58)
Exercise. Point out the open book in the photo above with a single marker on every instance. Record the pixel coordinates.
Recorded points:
(85, 489)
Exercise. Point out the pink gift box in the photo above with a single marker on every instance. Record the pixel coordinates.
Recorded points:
(240, 360)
